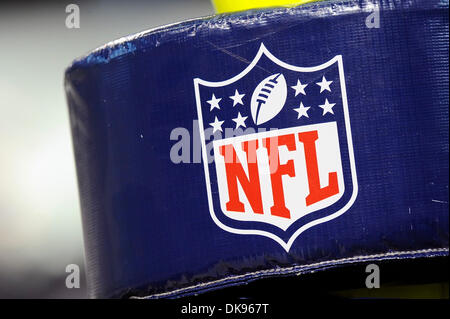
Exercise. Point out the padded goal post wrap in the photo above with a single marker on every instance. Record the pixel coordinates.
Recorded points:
(363, 111)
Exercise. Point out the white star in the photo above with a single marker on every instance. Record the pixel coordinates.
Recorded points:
(240, 120)
(217, 125)
(214, 102)
(299, 88)
(302, 110)
(324, 85)
(237, 98)
(327, 107)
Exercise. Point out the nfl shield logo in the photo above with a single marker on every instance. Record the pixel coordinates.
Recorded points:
(277, 147)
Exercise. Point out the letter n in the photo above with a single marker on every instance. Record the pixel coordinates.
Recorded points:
(235, 172)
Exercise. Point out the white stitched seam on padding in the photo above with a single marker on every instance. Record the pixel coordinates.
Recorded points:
(294, 269)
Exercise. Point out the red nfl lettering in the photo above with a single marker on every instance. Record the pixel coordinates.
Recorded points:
(251, 184)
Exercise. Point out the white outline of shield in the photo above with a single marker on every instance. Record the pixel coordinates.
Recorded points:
(263, 50)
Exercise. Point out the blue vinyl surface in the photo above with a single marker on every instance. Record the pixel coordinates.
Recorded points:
(147, 220)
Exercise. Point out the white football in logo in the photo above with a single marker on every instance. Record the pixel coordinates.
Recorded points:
(268, 98)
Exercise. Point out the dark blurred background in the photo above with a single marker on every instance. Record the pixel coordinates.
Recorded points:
(40, 224)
